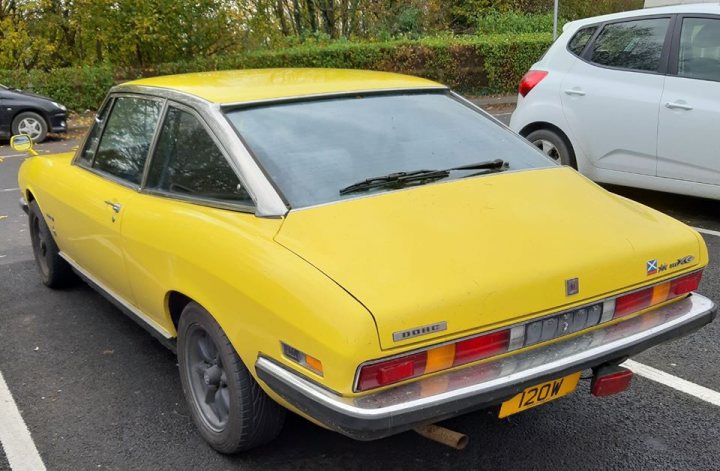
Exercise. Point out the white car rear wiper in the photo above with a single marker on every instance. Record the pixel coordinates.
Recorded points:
(419, 177)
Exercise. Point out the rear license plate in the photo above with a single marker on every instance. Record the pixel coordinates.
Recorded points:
(540, 394)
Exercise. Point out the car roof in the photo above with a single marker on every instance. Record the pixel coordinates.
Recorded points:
(242, 86)
(698, 8)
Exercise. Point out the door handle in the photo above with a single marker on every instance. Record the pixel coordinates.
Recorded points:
(678, 106)
(575, 92)
(115, 206)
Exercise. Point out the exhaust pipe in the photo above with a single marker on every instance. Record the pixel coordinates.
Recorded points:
(443, 435)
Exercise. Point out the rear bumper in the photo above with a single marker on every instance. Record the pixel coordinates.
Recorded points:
(446, 395)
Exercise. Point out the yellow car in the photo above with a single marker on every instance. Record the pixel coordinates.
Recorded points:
(368, 250)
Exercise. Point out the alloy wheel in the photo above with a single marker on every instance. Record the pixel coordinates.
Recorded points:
(548, 148)
(207, 378)
(30, 126)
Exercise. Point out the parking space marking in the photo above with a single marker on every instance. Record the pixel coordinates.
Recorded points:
(15, 437)
(700, 392)
(13, 156)
(707, 231)
(9, 189)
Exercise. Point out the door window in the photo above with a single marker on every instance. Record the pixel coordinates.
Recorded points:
(633, 45)
(699, 55)
(187, 162)
(125, 142)
(88, 153)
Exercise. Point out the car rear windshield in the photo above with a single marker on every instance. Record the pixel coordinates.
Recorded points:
(312, 149)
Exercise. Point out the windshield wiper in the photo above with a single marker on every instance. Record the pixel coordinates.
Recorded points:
(396, 180)
(418, 177)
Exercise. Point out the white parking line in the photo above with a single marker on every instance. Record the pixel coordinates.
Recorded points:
(707, 231)
(15, 436)
(12, 156)
(700, 392)
(9, 189)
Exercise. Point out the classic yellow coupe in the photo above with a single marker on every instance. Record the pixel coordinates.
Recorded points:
(368, 250)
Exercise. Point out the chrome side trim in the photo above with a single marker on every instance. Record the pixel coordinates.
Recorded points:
(449, 394)
(140, 315)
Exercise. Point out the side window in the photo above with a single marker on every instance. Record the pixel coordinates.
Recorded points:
(579, 41)
(187, 162)
(699, 56)
(634, 45)
(88, 153)
(125, 142)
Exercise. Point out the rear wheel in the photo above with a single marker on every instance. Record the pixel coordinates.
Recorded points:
(554, 146)
(54, 270)
(31, 124)
(230, 410)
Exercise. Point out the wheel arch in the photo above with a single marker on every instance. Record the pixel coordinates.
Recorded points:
(540, 125)
(175, 302)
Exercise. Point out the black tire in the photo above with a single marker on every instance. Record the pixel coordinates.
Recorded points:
(559, 149)
(228, 407)
(32, 124)
(55, 272)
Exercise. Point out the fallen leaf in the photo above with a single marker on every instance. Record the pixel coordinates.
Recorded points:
(3, 217)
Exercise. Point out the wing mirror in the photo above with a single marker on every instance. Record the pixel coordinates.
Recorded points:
(22, 143)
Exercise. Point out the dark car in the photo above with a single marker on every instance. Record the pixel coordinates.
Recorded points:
(26, 113)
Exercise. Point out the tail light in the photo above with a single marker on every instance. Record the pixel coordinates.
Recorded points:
(657, 294)
(418, 363)
(530, 80)
(439, 358)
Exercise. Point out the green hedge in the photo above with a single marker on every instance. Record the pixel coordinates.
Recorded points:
(79, 88)
(470, 64)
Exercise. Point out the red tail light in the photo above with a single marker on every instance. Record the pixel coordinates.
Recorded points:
(657, 294)
(530, 80)
(435, 359)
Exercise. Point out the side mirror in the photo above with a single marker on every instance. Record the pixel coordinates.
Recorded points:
(22, 143)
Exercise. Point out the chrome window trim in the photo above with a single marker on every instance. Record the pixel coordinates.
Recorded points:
(267, 201)
(246, 208)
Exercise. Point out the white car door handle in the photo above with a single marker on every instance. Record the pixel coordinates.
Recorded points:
(678, 106)
(574, 91)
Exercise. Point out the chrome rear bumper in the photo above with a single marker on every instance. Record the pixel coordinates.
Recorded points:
(446, 395)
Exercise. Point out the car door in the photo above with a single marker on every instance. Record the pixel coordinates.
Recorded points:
(611, 97)
(690, 111)
(107, 175)
(192, 199)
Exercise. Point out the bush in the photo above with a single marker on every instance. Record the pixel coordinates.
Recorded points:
(495, 22)
(469, 64)
(78, 88)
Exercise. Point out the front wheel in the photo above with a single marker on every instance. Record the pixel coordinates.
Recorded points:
(554, 146)
(54, 270)
(31, 124)
(227, 405)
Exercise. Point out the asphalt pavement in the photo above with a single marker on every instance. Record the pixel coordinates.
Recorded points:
(98, 392)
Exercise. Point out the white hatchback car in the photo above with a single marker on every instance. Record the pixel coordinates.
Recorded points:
(632, 99)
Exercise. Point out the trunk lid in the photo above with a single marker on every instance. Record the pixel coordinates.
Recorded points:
(484, 252)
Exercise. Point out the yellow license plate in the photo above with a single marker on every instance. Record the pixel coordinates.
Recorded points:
(540, 394)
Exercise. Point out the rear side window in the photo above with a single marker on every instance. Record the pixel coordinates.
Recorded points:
(125, 142)
(633, 45)
(187, 162)
(699, 56)
(579, 41)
